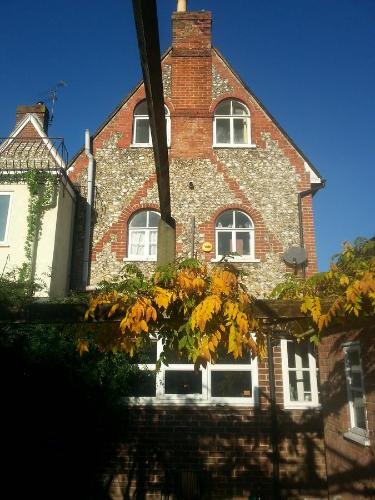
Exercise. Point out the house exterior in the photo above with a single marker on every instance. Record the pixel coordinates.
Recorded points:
(45, 247)
(347, 377)
(238, 184)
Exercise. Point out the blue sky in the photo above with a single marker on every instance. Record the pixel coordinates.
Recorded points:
(311, 63)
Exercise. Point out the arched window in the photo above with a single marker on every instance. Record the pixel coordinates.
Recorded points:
(141, 125)
(143, 235)
(235, 234)
(231, 124)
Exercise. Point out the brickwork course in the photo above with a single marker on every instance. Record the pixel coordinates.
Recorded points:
(350, 465)
(232, 445)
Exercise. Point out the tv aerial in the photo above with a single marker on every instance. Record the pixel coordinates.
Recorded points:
(295, 256)
(51, 95)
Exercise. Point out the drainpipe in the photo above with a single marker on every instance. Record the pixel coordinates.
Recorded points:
(89, 203)
(301, 195)
(193, 237)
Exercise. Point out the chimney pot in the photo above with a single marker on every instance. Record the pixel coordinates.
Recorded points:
(181, 5)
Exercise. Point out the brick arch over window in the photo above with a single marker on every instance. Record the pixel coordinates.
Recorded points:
(265, 241)
(231, 124)
(141, 132)
(227, 97)
(234, 232)
(117, 234)
(142, 235)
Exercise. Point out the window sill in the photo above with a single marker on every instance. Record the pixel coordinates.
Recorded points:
(357, 436)
(236, 260)
(180, 401)
(302, 406)
(234, 146)
(4, 245)
(138, 259)
(144, 146)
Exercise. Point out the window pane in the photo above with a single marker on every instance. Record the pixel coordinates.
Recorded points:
(227, 358)
(223, 108)
(242, 220)
(137, 243)
(139, 219)
(173, 357)
(231, 384)
(353, 357)
(141, 109)
(239, 109)
(142, 131)
(225, 219)
(291, 354)
(183, 382)
(356, 380)
(153, 220)
(142, 383)
(302, 350)
(293, 386)
(359, 410)
(223, 130)
(306, 386)
(4, 207)
(240, 130)
(224, 243)
(147, 355)
(242, 243)
(153, 242)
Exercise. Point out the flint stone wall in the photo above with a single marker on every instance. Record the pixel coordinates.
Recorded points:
(265, 178)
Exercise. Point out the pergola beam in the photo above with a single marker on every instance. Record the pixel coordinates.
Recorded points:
(146, 23)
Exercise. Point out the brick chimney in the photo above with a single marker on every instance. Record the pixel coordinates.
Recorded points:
(39, 109)
(191, 82)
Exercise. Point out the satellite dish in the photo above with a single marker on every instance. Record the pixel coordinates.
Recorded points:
(295, 256)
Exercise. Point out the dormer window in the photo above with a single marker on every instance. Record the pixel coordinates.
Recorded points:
(232, 124)
(141, 125)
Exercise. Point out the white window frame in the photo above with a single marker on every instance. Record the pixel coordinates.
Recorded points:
(233, 230)
(146, 257)
(231, 117)
(354, 433)
(203, 399)
(312, 369)
(4, 242)
(148, 144)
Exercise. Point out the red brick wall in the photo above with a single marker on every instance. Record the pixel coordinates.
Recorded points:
(229, 446)
(350, 465)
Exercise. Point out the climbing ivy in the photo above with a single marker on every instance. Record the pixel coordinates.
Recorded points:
(41, 185)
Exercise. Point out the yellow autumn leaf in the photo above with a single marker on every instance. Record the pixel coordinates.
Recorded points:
(113, 309)
(162, 297)
(82, 346)
(344, 280)
(204, 311)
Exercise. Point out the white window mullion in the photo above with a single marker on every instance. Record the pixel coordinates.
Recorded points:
(160, 373)
(299, 378)
(206, 390)
(313, 379)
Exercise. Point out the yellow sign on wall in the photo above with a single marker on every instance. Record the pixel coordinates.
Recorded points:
(207, 246)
